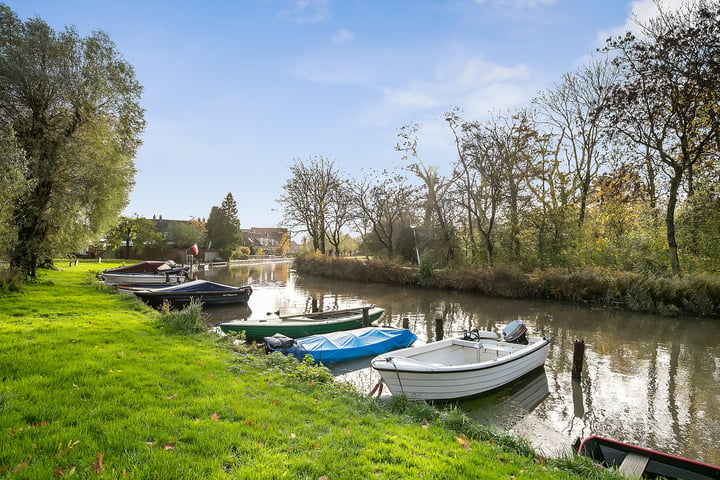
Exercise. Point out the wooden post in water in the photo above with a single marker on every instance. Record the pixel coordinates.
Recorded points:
(406, 322)
(439, 329)
(578, 356)
(366, 317)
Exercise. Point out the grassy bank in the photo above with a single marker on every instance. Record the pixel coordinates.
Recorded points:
(693, 294)
(94, 385)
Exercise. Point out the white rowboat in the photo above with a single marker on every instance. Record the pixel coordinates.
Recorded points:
(456, 368)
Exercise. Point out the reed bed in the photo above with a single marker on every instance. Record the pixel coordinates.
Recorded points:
(692, 294)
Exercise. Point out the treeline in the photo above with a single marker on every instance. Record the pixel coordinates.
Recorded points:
(617, 165)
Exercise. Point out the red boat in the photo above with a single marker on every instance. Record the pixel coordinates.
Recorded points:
(639, 462)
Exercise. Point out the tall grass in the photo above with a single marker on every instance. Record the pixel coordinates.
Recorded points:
(188, 320)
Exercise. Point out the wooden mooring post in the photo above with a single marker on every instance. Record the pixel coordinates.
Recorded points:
(578, 358)
(406, 322)
(439, 329)
(366, 316)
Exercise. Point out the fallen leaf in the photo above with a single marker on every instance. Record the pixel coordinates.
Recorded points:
(169, 446)
(98, 466)
(58, 471)
(19, 467)
(215, 417)
(276, 402)
(463, 440)
(293, 436)
(315, 445)
(324, 477)
(172, 396)
(425, 423)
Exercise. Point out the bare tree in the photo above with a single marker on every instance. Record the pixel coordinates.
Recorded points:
(383, 201)
(437, 188)
(667, 100)
(307, 197)
(577, 107)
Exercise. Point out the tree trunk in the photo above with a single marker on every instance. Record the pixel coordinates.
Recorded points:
(670, 220)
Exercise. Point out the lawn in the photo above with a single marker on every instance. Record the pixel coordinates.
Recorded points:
(95, 386)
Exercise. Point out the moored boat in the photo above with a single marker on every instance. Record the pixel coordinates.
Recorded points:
(148, 273)
(639, 462)
(463, 366)
(343, 346)
(209, 293)
(305, 324)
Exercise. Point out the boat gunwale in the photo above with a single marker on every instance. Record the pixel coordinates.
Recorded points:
(653, 455)
(435, 369)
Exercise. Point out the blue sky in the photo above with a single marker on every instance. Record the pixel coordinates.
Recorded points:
(235, 91)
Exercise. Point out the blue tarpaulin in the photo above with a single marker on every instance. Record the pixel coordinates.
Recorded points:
(350, 344)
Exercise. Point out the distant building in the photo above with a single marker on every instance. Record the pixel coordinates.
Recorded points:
(273, 241)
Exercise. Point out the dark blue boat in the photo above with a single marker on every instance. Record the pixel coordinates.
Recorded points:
(343, 346)
(203, 290)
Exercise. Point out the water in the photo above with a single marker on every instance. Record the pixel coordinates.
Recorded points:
(647, 380)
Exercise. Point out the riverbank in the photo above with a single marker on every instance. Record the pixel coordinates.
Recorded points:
(93, 386)
(692, 294)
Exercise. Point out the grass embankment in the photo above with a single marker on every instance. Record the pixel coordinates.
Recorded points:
(691, 294)
(94, 386)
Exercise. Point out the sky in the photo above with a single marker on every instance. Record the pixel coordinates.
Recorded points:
(236, 91)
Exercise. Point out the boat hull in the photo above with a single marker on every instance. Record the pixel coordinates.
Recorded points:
(143, 279)
(297, 326)
(613, 453)
(209, 293)
(456, 368)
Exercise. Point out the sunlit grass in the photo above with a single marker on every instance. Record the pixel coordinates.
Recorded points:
(94, 385)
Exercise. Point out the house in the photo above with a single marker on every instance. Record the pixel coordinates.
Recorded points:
(272, 241)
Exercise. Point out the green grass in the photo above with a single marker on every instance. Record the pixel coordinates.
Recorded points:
(95, 385)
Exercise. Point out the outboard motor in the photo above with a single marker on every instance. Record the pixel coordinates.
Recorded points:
(515, 332)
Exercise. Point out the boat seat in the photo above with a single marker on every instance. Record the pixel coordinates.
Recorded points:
(633, 465)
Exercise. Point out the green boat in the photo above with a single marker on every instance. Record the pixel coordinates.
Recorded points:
(305, 324)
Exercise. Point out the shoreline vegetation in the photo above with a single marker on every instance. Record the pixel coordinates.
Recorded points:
(98, 385)
(692, 294)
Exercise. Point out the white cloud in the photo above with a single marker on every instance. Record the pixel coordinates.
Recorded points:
(475, 84)
(306, 11)
(639, 11)
(518, 3)
(342, 36)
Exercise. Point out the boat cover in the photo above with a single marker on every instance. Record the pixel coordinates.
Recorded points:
(142, 267)
(199, 286)
(349, 344)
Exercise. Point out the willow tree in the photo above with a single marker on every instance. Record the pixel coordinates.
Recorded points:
(71, 104)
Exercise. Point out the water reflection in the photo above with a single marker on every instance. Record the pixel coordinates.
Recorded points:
(646, 380)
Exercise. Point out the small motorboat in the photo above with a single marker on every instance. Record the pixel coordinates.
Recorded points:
(148, 273)
(304, 324)
(463, 366)
(209, 293)
(638, 462)
(343, 346)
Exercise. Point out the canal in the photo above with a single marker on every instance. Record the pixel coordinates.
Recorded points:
(647, 380)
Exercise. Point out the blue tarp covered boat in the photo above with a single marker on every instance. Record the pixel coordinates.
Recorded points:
(342, 346)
